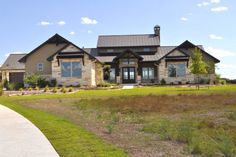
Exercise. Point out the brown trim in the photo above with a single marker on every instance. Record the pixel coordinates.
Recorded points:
(57, 36)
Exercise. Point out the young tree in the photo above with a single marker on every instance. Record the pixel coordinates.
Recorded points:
(198, 66)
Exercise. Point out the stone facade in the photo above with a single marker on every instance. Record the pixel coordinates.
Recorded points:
(88, 77)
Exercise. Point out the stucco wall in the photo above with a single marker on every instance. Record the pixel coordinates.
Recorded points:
(40, 56)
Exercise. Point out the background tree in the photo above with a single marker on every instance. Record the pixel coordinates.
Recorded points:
(198, 66)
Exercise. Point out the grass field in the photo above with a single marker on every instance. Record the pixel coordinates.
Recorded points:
(150, 121)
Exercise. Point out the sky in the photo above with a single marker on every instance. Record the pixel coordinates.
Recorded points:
(25, 24)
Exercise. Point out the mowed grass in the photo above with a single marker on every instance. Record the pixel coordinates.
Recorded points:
(141, 121)
(153, 90)
(68, 139)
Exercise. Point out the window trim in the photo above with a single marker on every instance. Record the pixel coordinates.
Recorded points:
(176, 70)
(42, 68)
(71, 69)
(148, 73)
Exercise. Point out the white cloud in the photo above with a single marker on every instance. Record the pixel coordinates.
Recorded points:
(215, 1)
(90, 32)
(203, 4)
(61, 23)
(219, 9)
(220, 53)
(184, 19)
(72, 33)
(88, 21)
(215, 37)
(45, 23)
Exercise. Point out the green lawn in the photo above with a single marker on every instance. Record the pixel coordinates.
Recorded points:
(68, 139)
(76, 127)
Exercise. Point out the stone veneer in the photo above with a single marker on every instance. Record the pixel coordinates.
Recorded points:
(88, 72)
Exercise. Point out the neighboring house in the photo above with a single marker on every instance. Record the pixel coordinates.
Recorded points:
(133, 59)
(12, 70)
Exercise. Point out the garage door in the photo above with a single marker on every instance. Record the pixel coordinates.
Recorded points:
(16, 77)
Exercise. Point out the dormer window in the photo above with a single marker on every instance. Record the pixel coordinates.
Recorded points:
(146, 49)
(110, 50)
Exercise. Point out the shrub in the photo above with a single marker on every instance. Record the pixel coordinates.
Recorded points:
(1, 89)
(78, 85)
(223, 82)
(232, 115)
(63, 89)
(31, 79)
(163, 82)
(36, 88)
(42, 82)
(21, 89)
(110, 128)
(11, 86)
(71, 89)
(5, 84)
(46, 89)
(53, 82)
(30, 89)
(104, 84)
(54, 90)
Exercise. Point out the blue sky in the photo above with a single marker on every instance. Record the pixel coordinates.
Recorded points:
(25, 24)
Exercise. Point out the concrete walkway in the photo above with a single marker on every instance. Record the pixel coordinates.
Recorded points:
(20, 138)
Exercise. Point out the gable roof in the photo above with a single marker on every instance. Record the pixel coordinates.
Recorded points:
(55, 39)
(12, 62)
(129, 52)
(108, 41)
(71, 50)
(188, 44)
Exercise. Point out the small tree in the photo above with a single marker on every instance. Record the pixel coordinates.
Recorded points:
(32, 79)
(198, 66)
(107, 70)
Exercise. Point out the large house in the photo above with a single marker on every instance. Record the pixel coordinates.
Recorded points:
(133, 59)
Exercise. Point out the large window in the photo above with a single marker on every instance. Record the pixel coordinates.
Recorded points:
(147, 73)
(71, 69)
(112, 74)
(176, 70)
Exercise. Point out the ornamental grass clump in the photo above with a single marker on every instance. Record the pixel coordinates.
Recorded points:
(46, 89)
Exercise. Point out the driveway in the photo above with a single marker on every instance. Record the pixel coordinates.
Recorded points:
(20, 138)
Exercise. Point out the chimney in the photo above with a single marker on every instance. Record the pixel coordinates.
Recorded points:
(157, 29)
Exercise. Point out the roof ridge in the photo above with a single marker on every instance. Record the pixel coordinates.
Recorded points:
(124, 35)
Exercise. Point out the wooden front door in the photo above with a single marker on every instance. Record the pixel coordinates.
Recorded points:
(128, 75)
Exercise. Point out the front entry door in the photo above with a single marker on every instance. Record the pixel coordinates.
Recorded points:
(128, 75)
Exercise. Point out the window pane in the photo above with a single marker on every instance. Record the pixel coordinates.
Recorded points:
(112, 74)
(125, 73)
(171, 70)
(76, 69)
(65, 69)
(131, 61)
(151, 73)
(131, 73)
(39, 67)
(181, 70)
(145, 73)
